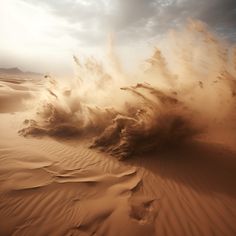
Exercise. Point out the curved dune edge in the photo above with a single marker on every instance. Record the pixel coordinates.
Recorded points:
(50, 187)
(14, 94)
(70, 197)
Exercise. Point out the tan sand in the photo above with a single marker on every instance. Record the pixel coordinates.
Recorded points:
(61, 187)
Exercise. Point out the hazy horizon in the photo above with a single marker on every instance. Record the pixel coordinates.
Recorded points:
(42, 36)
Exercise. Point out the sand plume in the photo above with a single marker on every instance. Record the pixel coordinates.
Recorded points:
(175, 98)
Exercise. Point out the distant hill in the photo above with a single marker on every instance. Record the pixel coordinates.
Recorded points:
(17, 71)
(13, 70)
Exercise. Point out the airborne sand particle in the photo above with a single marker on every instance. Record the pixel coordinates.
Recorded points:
(178, 96)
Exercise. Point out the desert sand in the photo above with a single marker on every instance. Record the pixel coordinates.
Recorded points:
(61, 187)
(57, 180)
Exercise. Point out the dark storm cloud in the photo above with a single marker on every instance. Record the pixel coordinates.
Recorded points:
(139, 19)
(218, 14)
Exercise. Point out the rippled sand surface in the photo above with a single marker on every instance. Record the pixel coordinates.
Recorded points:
(52, 186)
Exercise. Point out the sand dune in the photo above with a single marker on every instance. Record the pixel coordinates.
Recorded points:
(61, 187)
(61, 143)
(69, 190)
(14, 93)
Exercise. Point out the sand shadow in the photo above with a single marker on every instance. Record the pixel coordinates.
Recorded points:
(203, 166)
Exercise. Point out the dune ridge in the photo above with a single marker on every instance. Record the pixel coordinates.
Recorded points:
(64, 188)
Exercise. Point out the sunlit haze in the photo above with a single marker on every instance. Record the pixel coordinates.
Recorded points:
(42, 36)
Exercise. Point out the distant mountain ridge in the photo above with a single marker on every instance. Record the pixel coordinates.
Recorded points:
(13, 70)
(17, 71)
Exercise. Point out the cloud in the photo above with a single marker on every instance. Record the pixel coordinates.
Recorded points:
(65, 27)
(138, 19)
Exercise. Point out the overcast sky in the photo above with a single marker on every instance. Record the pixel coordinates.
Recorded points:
(42, 35)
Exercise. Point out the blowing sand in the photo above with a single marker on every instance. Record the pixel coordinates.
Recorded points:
(59, 187)
(56, 184)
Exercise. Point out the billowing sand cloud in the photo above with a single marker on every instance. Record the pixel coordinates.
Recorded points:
(178, 95)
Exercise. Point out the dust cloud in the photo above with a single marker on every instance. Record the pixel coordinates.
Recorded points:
(185, 90)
